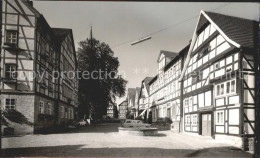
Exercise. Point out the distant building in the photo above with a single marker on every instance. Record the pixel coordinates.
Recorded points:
(30, 46)
(137, 95)
(131, 102)
(143, 99)
(165, 88)
(111, 111)
(209, 87)
(122, 108)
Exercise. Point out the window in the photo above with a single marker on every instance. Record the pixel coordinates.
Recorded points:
(66, 113)
(49, 108)
(188, 120)
(216, 65)
(230, 87)
(233, 83)
(194, 79)
(221, 89)
(71, 115)
(227, 87)
(220, 117)
(190, 105)
(208, 98)
(194, 119)
(201, 100)
(62, 111)
(41, 107)
(11, 37)
(9, 103)
(10, 71)
(69, 112)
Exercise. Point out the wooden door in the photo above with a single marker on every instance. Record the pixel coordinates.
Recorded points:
(206, 124)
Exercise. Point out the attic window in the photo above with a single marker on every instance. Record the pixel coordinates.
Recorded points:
(11, 36)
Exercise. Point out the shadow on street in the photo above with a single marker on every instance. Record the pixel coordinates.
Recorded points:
(83, 151)
(97, 128)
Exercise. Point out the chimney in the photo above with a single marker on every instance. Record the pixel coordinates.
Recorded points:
(30, 2)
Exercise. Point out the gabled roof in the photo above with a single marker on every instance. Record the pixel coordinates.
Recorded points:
(61, 33)
(29, 4)
(237, 31)
(137, 93)
(167, 54)
(153, 79)
(122, 103)
(181, 53)
(146, 83)
(242, 31)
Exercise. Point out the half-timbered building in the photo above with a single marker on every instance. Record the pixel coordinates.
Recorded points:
(31, 53)
(122, 109)
(165, 88)
(67, 83)
(219, 80)
(131, 102)
(143, 98)
(137, 95)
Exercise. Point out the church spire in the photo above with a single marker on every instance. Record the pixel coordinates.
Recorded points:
(91, 33)
(91, 37)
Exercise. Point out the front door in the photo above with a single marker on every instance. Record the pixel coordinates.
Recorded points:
(206, 124)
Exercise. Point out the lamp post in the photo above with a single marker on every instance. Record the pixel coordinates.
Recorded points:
(141, 40)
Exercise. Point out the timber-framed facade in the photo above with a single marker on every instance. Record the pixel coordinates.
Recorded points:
(165, 88)
(29, 58)
(219, 79)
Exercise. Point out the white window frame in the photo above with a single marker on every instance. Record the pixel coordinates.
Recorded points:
(49, 108)
(11, 104)
(194, 119)
(41, 107)
(10, 71)
(220, 121)
(62, 112)
(225, 88)
(11, 36)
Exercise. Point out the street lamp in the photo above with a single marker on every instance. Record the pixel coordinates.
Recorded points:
(141, 40)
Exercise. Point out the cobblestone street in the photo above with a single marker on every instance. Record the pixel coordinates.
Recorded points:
(105, 141)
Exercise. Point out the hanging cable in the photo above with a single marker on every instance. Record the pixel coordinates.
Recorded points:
(166, 28)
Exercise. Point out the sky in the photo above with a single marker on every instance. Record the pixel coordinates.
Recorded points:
(120, 23)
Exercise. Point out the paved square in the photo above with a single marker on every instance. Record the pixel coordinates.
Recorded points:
(105, 141)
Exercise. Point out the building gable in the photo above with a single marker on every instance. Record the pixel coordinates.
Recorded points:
(198, 38)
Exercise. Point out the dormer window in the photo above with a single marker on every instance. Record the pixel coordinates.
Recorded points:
(11, 37)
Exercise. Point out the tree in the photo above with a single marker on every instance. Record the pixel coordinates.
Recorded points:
(99, 82)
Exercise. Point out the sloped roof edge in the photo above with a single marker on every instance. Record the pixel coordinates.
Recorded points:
(194, 40)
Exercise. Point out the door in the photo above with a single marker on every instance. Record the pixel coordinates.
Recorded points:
(206, 124)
